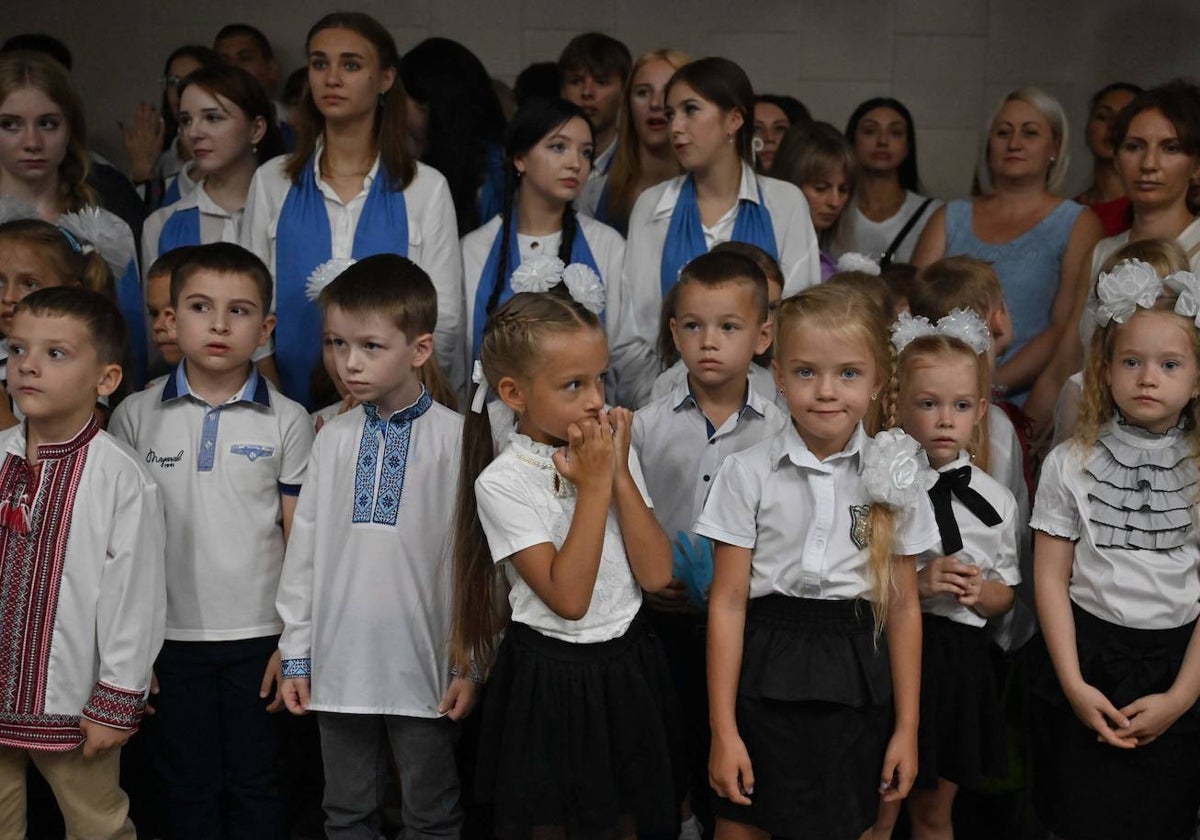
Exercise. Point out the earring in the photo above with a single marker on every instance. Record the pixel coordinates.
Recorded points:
(782, 392)
(874, 394)
(1053, 160)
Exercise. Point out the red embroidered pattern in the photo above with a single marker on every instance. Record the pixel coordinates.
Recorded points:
(116, 707)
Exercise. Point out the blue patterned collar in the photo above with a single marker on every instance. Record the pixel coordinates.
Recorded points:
(404, 415)
(379, 476)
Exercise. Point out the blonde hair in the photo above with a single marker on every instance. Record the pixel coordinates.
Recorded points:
(71, 267)
(851, 311)
(1097, 406)
(1052, 111)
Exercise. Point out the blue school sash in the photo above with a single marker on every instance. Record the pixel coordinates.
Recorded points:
(172, 193)
(182, 229)
(491, 192)
(303, 241)
(132, 303)
(580, 253)
(685, 236)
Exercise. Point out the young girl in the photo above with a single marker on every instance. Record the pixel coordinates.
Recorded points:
(44, 162)
(816, 529)
(710, 109)
(1115, 724)
(942, 384)
(230, 127)
(548, 153)
(351, 189)
(576, 729)
(817, 159)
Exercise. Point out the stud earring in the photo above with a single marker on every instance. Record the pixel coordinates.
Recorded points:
(782, 392)
(874, 394)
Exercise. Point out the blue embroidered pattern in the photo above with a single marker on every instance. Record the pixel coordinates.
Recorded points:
(297, 668)
(381, 503)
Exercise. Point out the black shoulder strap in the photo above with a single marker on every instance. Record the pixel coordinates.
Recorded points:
(886, 259)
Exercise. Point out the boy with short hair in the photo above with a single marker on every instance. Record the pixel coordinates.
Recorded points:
(81, 569)
(229, 453)
(159, 310)
(593, 70)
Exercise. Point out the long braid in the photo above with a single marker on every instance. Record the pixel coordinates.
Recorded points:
(506, 215)
(570, 227)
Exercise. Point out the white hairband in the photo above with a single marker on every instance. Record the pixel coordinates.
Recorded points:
(1133, 284)
(480, 399)
(963, 324)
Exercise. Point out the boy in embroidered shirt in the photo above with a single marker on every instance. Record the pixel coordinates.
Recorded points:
(365, 592)
(81, 569)
(229, 453)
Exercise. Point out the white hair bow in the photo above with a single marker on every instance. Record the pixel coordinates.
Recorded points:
(1119, 293)
(963, 324)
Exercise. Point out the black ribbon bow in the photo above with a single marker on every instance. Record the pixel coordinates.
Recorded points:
(958, 483)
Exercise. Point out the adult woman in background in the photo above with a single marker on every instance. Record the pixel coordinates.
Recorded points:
(773, 116)
(1034, 239)
(1106, 194)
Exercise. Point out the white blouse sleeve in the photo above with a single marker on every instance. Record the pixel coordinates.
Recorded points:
(1055, 511)
(294, 598)
(730, 513)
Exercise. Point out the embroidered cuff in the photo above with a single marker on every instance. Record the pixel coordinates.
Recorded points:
(474, 673)
(119, 708)
(289, 489)
(297, 668)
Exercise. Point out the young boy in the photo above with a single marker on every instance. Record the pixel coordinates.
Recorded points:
(719, 326)
(593, 70)
(159, 310)
(229, 453)
(81, 569)
(365, 593)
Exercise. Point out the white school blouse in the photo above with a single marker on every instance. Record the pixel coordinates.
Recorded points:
(1138, 588)
(82, 594)
(680, 451)
(216, 224)
(432, 238)
(641, 286)
(366, 604)
(1007, 465)
(993, 548)
(523, 502)
(806, 520)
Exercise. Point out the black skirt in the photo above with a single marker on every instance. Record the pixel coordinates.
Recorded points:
(814, 708)
(581, 738)
(1087, 789)
(961, 736)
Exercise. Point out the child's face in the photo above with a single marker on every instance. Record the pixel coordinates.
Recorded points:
(162, 325)
(375, 360)
(33, 137)
(564, 385)
(717, 332)
(219, 133)
(940, 404)
(599, 98)
(557, 166)
(53, 370)
(827, 197)
(828, 377)
(1152, 370)
(23, 269)
(219, 320)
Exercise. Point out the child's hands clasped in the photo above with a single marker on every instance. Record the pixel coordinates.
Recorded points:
(1151, 716)
(949, 575)
(621, 420)
(587, 461)
(1096, 711)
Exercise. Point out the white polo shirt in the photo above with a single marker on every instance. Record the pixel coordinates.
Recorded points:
(680, 450)
(216, 224)
(1007, 465)
(806, 520)
(993, 548)
(432, 238)
(221, 470)
(799, 257)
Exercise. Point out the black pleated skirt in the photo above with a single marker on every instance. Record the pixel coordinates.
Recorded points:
(582, 738)
(1087, 789)
(814, 708)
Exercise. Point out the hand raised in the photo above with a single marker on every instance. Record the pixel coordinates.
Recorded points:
(587, 461)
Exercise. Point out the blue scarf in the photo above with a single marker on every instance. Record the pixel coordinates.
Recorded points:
(304, 241)
(580, 253)
(132, 303)
(172, 194)
(685, 236)
(491, 192)
(183, 228)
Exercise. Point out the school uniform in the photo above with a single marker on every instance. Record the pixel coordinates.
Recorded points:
(296, 227)
(961, 734)
(603, 162)
(762, 380)
(814, 703)
(666, 232)
(195, 219)
(579, 727)
(81, 592)
(181, 184)
(365, 601)
(1127, 504)
(1006, 464)
(222, 470)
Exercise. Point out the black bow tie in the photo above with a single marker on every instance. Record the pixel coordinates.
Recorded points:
(958, 483)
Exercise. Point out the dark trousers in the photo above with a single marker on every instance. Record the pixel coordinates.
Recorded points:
(219, 750)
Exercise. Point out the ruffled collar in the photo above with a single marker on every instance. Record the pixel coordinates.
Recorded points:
(539, 457)
(1145, 488)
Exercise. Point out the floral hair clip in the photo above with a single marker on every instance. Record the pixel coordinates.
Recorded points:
(1119, 293)
(543, 272)
(324, 274)
(851, 261)
(963, 324)
(895, 470)
(1187, 286)
(93, 230)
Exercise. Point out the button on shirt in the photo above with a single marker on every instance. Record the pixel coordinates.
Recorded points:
(681, 452)
(806, 520)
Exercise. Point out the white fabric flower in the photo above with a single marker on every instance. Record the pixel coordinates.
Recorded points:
(909, 328)
(851, 261)
(1131, 284)
(895, 469)
(585, 287)
(104, 232)
(1187, 286)
(324, 274)
(539, 273)
(968, 327)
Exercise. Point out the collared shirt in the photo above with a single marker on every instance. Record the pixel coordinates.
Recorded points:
(81, 593)
(1139, 588)
(603, 162)
(222, 470)
(680, 451)
(762, 380)
(1007, 465)
(216, 224)
(993, 548)
(806, 520)
(366, 604)
(432, 238)
(641, 298)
